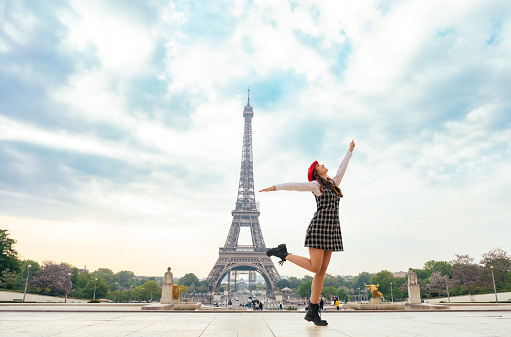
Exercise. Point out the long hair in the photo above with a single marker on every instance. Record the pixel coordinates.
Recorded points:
(327, 183)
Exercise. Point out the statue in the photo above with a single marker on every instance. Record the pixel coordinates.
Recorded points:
(414, 291)
(175, 291)
(373, 288)
(168, 278)
(412, 277)
(167, 289)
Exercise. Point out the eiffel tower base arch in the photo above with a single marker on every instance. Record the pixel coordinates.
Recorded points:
(254, 261)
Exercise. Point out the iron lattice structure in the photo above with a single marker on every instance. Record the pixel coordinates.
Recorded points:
(235, 257)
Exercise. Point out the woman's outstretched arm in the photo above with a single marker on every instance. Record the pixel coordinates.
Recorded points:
(344, 165)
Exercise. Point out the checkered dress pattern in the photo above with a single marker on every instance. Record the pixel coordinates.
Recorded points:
(324, 231)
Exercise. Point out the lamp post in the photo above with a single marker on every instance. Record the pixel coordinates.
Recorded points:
(131, 288)
(26, 283)
(391, 295)
(494, 288)
(141, 294)
(95, 282)
(116, 283)
(447, 281)
(120, 292)
(68, 274)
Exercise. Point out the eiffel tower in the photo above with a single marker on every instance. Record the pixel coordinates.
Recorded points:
(234, 257)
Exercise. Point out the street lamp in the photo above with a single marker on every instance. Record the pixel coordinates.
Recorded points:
(68, 274)
(494, 288)
(120, 292)
(95, 282)
(447, 281)
(114, 292)
(26, 283)
(391, 295)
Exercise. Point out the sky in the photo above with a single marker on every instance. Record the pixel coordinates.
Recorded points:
(121, 128)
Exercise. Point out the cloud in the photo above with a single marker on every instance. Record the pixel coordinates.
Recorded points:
(125, 122)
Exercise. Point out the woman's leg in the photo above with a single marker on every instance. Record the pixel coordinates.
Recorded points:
(313, 264)
(319, 277)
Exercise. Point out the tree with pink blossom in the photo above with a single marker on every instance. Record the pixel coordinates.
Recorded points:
(53, 279)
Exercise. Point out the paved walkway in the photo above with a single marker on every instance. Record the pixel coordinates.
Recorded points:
(43, 321)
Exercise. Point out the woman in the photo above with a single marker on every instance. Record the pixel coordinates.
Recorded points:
(324, 231)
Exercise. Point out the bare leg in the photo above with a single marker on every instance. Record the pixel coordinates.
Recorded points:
(313, 264)
(319, 277)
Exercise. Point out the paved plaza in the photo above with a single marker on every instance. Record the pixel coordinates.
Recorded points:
(85, 321)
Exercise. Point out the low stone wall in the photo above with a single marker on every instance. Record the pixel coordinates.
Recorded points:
(489, 297)
(6, 295)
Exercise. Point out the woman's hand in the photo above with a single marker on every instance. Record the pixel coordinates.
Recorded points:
(352, 145)
(269, 189)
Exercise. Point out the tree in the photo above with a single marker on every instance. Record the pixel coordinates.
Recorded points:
(440, 283)
(465, 272)
(443, 267)
(8, 255)
(189, 279)
(384, 278)
(52, 278)
(102, 288)
(107, 275)
(151, 291)
(501, 263)
(8, 279)
(342, 295)
(294, 282)
(283, 284)
(304, 289)
(330, 291)
(125, 278)
(363, 277)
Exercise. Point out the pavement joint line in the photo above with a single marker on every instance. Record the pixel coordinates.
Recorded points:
(268, 327)
(207, 326)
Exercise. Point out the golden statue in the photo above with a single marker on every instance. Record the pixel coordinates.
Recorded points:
(373, 288)
(175, 291)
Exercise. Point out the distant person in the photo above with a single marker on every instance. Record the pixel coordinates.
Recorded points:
(321, 304)
(261, 306)
(324, 232)
(337, 304)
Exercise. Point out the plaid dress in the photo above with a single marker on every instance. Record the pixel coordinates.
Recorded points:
(324, 231)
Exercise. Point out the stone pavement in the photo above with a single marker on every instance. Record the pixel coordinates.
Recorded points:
(37, 321)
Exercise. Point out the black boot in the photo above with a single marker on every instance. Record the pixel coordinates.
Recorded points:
(280, 251)
(313, 315)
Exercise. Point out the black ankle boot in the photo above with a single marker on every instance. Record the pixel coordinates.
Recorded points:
(313, 315)
(280, 251)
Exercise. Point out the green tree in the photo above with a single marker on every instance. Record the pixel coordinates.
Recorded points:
(342, 295)
(443, 267)
(294, 282)
(151, 291)
(384, 278)
(304, 289)
(330, 291)
(125, 278)
(189, 279)
(283, 284)
(102, 288)
(358, 281)
(8, 255)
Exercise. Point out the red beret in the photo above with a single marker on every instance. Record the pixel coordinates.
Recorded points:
(311, 169)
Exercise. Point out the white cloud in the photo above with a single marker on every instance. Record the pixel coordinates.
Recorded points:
(417, 84)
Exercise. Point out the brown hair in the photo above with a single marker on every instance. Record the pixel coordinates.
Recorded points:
(326, 183)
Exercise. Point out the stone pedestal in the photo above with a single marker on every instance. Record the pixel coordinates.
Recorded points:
(414, 294)
(166, 295)
(376, 300)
